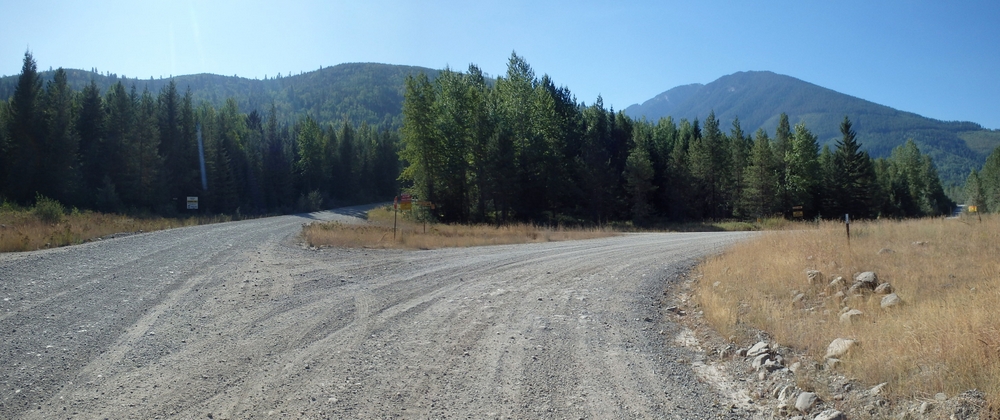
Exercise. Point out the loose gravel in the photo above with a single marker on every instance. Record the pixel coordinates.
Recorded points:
(239, 320)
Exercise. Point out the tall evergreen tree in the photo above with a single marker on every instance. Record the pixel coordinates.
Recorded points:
(783, 140)
(90, 127)
(58, 175)
(802, 170)
(639, 178)
(25, 134)
(976, 192)
(854, 176)
(173, 148)
(990, 179)
(421, 142)
(760, 196)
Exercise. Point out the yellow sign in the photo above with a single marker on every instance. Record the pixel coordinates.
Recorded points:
(972, 209)
(797, 213)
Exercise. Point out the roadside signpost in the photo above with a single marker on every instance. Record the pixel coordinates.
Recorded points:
(405, 202)
(192, 203)
(847, 222)
(797, 212)
(974, 209)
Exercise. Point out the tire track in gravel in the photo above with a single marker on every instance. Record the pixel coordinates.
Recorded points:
(255, 326)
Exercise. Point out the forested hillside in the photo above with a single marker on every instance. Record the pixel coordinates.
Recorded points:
(126, 148)
(517, 148)
(361, 92)
(759, 97)
(523, 149)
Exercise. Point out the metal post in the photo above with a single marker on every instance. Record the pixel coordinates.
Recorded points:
(395, 209)
(847, 222)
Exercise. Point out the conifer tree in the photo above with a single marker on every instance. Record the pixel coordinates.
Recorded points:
(639, 178)
(990, 179)
(976, 192)
(854, 176)
(58, 163)
(761, 179)
(90, 128)
(25, 134)
(802, 170)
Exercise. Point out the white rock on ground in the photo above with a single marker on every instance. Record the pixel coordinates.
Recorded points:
(891, 300)
(806, 401)
(831, 415)
(838, 282)
(839, 347)
(757, 349)
(867, 277)
(883, 289)
(850, 316)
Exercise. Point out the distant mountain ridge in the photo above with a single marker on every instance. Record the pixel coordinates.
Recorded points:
(759, 97)
(373, 93)
(360, 92)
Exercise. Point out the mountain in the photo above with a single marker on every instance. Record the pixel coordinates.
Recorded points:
(360, 92)
(759, 97)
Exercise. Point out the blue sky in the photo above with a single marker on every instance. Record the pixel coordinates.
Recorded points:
(938, 59)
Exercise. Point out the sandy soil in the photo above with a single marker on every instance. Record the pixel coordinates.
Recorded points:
(239, 320)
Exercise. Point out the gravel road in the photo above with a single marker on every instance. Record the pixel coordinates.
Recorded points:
(238, 320)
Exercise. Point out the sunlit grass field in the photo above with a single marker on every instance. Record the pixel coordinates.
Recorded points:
(945, 337)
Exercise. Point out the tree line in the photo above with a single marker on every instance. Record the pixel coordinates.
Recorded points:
(124, 150)
(982, 188)
(520, 148)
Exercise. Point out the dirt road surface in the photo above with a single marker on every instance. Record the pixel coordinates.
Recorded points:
(238, 320)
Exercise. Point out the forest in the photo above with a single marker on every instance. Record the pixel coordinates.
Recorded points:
(145, 152)
(483, 150)
(520, 148)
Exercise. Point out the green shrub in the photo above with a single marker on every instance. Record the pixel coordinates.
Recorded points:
(48, 210)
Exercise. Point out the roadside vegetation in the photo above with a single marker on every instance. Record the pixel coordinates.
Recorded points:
(49, 224)
(413, 233)
(944, 337)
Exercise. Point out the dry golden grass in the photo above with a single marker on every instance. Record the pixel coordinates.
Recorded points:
(944, 338)
(414, 235)
(22, 230)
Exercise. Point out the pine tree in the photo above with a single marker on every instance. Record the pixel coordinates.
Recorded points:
(976, 192)
(802, 170)
(854, 176)
(760, 197)
(175, 151)
(738, 146)
(782, 147)
(58, 175)
(90, 127)
(119, 123)
(145, 142)
(639, 178)
(421, 143)
(990, 179)
(25, 134)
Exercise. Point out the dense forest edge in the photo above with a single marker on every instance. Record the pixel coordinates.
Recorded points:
(123, 150)
(759, 97)
(516, 148)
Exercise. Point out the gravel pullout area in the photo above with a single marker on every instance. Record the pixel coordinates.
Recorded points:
(238, 320)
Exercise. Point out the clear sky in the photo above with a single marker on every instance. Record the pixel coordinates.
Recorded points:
(938, 59)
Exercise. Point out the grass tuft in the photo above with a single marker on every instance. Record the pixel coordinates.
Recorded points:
(945, 337)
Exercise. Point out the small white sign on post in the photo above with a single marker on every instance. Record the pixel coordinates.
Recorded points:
(192, 203)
